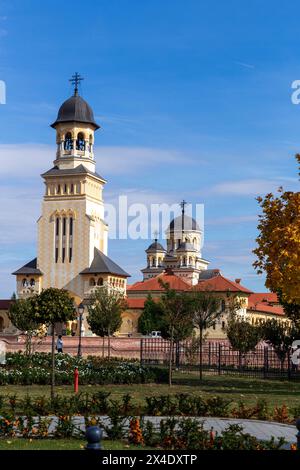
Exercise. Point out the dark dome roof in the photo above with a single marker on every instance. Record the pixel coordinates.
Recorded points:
(75, 109)
(186, 246)
(155, 246)
(188, 224)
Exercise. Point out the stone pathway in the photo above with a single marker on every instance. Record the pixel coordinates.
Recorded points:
(260, 429)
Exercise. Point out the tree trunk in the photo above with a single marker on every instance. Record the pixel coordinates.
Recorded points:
(108, 343)
(28, 344)
(200, 353)
(171, 356)
(53, 362)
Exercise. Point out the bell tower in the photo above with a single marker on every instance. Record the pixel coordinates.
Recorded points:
(75, 127)
(72, 234)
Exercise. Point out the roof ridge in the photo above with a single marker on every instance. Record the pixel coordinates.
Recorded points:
(234, 284)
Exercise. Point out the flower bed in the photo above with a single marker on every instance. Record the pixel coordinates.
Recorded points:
(21, 370)
(172, 433)
(100, 403)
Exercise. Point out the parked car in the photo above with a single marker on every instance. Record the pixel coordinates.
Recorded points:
(155, 334)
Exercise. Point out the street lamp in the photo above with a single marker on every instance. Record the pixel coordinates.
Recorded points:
(80, 312)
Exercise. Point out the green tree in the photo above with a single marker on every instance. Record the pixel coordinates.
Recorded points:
(280, 335)
(206, 309)
(151, 318)
(105, 308)
(242, 336)
(177, 322)
(291, 309)
(23, 316)
(53, 306)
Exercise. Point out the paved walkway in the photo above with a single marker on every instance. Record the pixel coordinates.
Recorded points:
(260, 429)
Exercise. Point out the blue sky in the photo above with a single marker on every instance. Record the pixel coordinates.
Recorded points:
(194, 100)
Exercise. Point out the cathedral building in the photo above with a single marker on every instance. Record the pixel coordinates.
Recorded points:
(72, 234)
(72, 248)
(183, 252)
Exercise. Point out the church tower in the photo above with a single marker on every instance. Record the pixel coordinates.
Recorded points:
(183, 254)
(72, 233)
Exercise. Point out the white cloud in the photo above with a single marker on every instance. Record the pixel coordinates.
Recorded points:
(20, 208)
(244, 64)
(32, 159)
(246, 187)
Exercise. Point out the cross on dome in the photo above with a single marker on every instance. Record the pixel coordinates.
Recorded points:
(75, 80)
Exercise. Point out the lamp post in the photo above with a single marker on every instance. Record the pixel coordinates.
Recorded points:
(80, 312)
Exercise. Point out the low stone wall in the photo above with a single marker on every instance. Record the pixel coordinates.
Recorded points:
(119, 347)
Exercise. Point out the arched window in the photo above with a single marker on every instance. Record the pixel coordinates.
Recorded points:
(58, 189)
(68, 144)
(100, 282)
(92, 282)
(32, 282)
(223, 306)
(195, 241)
(72, 188)
(25, 282)
(90, 142)
(80, 142)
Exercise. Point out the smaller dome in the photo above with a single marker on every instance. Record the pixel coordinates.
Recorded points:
(185, 246)
(188, 224)
(155, 246)
(75, 109)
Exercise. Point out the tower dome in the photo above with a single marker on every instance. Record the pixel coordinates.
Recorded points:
(188, 224)
(154, 247)
(75, 109)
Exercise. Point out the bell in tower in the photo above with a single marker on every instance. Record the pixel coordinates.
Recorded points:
(75, 126)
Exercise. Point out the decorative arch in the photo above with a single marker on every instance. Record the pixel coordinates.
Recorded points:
(80, 142)
(92, 282)
(68, 142)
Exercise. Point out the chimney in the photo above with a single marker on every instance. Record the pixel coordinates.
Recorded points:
(238, 281)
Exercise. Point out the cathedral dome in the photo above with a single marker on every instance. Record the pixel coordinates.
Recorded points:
(75, 109)
(155, 246)
(188, 224)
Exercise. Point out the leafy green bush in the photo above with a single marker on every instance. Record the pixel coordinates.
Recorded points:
(24, 370)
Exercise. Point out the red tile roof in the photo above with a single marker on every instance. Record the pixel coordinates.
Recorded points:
(221, 284)
(264, 302)
(263, 297)
(153, 284)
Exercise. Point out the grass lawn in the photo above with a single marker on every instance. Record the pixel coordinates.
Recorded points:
(60, 444)
(276, 392)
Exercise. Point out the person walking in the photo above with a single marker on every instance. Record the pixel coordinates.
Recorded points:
(59, 344)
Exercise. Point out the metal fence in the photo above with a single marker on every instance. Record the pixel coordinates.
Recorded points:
(218, 358)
